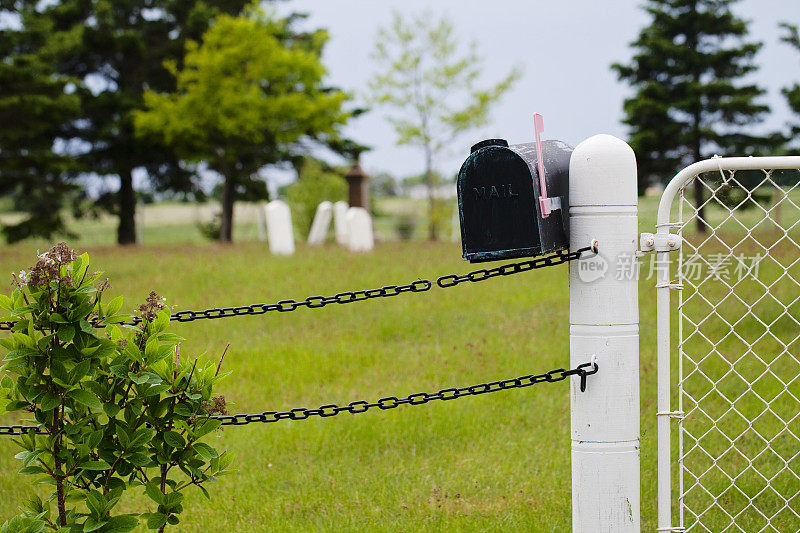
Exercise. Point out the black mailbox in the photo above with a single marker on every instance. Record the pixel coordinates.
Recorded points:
(498, 200)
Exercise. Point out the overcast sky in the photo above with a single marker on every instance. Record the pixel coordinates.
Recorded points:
(565, 48)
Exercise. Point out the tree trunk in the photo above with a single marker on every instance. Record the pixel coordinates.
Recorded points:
(226, 227)
(697, 142)
(60, 500)
(62, 508)
(163, 490)
(698, 202)
(433, 228)
(698, 184)
(126, 231)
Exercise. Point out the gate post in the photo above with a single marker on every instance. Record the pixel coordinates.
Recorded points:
(604, 322)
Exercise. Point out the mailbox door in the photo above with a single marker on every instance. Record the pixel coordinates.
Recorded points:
(497, 206)
(553, 230)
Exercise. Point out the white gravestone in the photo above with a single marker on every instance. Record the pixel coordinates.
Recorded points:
(340, 222)
(279, 228)
(359, 230)
(322, 221)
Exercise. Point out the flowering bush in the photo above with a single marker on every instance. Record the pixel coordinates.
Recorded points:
(121, 407)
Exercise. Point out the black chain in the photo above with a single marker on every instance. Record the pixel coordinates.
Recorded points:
(420, 285)
(389, 402)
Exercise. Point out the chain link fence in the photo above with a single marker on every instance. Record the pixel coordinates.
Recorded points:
(739, 352)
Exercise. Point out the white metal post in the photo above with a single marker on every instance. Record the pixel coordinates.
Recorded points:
(604, 321)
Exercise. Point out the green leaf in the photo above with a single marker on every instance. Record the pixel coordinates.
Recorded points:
(121, 524)
(24, 524)
(32, 470)
(174, 439)
(16, 405)
(92, 525)
(111, 409)
(133, 352)
(124, 439)
(205, 451)
(155, 520)
(59, 373)
(86, 398)
(183, 409)
(154, 492)
(224, 461)
(107, 348)
(165, 351)
(23, 340)
(155, 390)
(95, 465)
(34, 504)
(80, 271)
(116, 319)
(207, 427)
(113, 307)
(94, 438)
(89, 351)
(50, 401)
(160, 323)
(81, 312)
(87, 328)
(172, 499)
(6, 303)
(141, 436)
(80, 371)
(121, 371)
(58, 318)
(140, 460)
(168, 336)
(139, 380)
(66, 333)
(151, 349)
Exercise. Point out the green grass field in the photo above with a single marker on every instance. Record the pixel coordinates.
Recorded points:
(494, 462)
(497, 462)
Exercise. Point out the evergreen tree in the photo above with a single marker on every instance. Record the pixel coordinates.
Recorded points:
(689, 101)
(114, 51)
(34, 107)
(792, 93)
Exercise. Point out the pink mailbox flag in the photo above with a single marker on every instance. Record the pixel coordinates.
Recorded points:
(544, 201)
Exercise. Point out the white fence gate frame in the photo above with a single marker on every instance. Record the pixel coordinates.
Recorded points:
(738, 453)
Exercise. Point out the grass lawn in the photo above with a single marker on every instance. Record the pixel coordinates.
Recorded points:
(496, 462)
(492, 462)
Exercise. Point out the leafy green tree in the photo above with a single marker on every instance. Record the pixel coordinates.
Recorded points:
(245, 97)
(34, 106)
(314, 185)
(431, 89)
(690, 101)
(120, 408)
(792, 93)
(113, 51)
